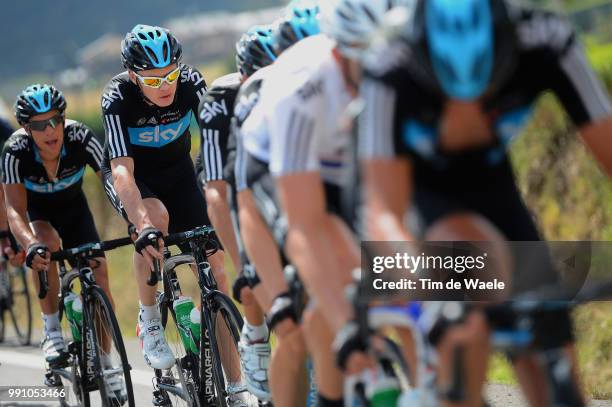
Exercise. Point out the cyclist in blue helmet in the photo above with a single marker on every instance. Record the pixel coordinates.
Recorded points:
(148, 171)
(8, 245)
(214, 167)
(42, 171)
(457, 87)
(300, 21)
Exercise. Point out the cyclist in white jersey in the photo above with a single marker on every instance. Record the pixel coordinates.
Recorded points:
(295, 137)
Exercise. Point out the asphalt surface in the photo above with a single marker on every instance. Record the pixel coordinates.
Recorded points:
(23, 366)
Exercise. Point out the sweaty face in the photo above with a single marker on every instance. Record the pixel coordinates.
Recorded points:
(50, 140)
(162, 96)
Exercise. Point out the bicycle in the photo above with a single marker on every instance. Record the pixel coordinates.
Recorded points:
(198, 378)
(372, 319)
(96, 360)
(15, 295)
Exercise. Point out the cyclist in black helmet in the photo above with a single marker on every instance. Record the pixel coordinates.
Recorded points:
(42, 171)
(148, 172)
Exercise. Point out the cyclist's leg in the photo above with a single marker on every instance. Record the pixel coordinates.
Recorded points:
(47, 235)
(287, 364)
(219, 212)
(76, 227)
(53, 343)
(471, 336)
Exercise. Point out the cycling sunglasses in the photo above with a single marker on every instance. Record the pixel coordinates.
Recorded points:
(156, 82)
(40, 125)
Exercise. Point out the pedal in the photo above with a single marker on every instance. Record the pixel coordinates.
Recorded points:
(161, 399)
(52, 380)
(59, 363)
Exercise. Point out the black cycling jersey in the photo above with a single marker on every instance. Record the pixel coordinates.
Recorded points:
(155, 137)
(217, 153)
(21, 164)
(61, 202)
(246, 100)
(549, 58)
(5, 131)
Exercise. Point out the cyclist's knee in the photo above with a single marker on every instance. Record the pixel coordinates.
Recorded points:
(47, 235)
(466, 226)
(157, 213)
(101, 273)
(217, 265)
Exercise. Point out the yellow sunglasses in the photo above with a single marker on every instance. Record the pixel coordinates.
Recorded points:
(156, 82)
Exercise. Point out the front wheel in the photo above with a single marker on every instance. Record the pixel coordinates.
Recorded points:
(105, 352)
(219, 356)
(20, 310)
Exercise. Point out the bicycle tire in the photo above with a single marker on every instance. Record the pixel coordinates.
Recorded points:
(24, 333)
(97, 298)
(2, 310)
(223, 306)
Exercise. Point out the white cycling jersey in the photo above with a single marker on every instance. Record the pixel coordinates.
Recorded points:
(296, 124)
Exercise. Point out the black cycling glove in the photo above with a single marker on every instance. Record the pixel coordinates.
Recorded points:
(147, 237)
(33, 250)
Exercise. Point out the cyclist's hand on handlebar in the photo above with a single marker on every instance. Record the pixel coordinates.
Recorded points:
(149, 244)
(132, 232)
(38, 257)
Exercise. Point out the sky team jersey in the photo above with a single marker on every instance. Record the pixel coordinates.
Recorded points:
(5, 131)
(302, 104)
(214, 118)
(21, 164)
(155, 137)
(402, 112)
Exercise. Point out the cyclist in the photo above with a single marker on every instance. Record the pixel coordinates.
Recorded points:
(214, 165)
(285, 366)
(42, 171)
(147, 169)
(440, 141)
(294, 143)
(7, 241)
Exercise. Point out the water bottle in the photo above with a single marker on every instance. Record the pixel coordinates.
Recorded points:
(77, 315)
(382, 390)
(194, 324)
(182, 310)
(68, 308)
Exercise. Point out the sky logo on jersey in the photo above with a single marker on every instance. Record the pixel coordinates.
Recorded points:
(160, 135)
(52, 187)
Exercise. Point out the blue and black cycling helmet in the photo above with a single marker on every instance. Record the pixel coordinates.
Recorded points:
(255, 49)
(301, 21)
(38, 99)
(469, 44)
(149, 47)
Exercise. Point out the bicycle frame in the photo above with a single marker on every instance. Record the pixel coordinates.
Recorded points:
(172, 291)
(87, 354)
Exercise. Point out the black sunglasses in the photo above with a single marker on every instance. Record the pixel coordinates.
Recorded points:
(40, 125)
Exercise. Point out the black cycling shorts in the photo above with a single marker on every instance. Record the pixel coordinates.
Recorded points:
(489, 191)
(177, 188)
(72, 220)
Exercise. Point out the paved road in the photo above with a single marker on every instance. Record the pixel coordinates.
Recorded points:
(23, 366)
